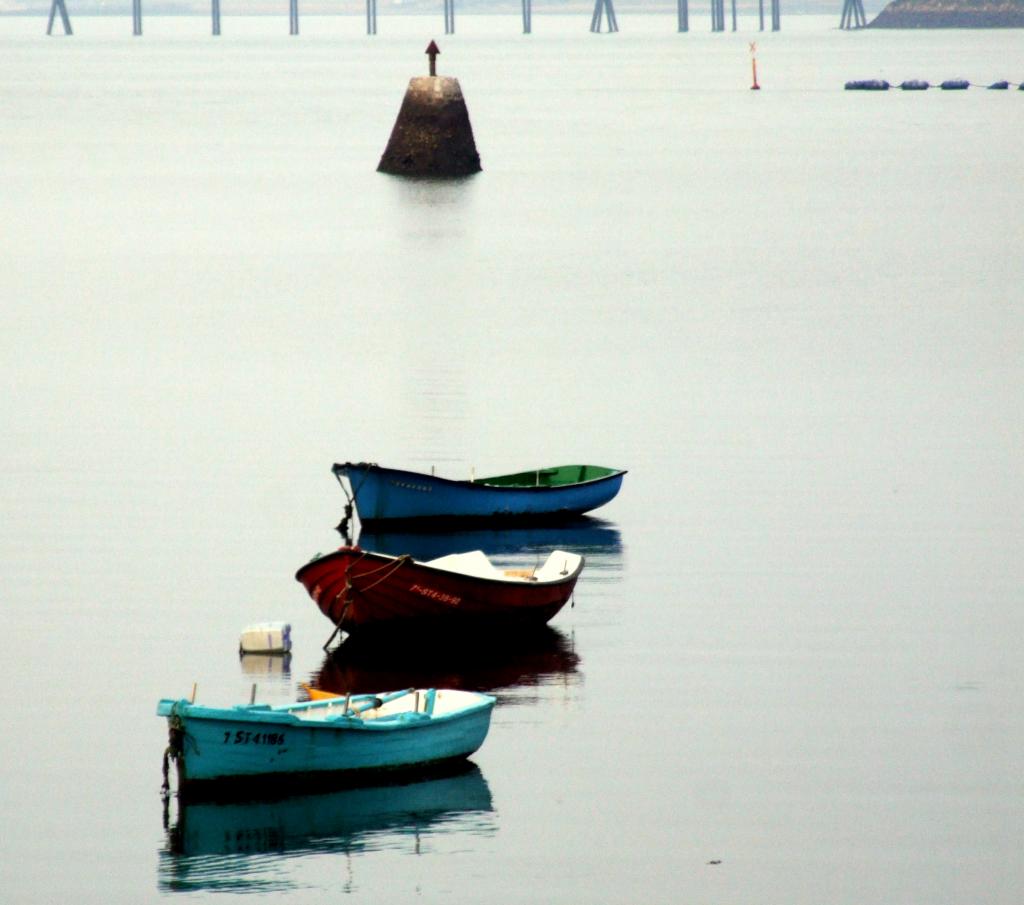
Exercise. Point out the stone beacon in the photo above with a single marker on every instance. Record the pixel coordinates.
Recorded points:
(432, 135)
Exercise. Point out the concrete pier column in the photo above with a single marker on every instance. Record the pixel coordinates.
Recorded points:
(603, 9)
(853, 15)
(58, 7)
(718, 15)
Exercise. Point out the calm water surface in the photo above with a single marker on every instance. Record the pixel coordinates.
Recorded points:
(794, 315)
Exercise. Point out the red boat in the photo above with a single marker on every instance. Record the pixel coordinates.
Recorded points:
(359, 591)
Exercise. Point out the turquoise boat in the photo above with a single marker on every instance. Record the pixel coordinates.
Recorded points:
(307, 744)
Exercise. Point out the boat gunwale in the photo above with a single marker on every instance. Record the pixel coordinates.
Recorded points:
(283, 714)
(514, 582)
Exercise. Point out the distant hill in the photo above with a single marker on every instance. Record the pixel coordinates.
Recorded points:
(951, 14)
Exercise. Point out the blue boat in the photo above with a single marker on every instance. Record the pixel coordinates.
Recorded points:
(311, 743)
(391, 496)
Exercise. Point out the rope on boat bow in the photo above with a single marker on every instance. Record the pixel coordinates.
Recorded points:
(177, 738)
(388, 568)
(342, 527)
(346, 593)
(174, 750)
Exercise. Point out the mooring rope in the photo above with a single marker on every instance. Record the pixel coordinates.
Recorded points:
(343, 524)
(341, 618)
(346, 593)
(174, 749)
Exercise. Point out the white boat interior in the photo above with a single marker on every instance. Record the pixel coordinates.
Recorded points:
(423, 701)
(557, 566)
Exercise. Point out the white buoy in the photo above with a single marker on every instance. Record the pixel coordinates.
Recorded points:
(266, 638)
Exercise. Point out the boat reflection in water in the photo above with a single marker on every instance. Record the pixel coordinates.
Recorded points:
(592, 537)
(247, 846)
(271, 672)
(542, 656)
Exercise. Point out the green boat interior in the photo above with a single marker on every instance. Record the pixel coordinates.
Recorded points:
(559, 476)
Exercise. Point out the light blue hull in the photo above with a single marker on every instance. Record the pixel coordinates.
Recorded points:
(304, 740)
(392, 495)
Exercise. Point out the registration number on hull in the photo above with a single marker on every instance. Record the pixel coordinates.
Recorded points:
(431, 594)
(241, 737)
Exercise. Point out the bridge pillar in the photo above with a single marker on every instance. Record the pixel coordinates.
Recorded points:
(718, 15)
(853, 15)
(59, 7)
(604, 9)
